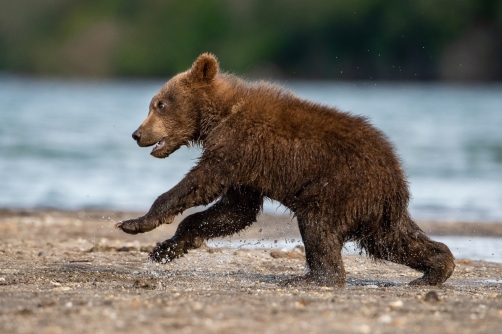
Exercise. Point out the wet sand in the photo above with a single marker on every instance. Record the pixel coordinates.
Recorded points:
(73, 272)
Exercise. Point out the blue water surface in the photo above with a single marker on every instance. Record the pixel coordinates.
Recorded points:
(67, 144)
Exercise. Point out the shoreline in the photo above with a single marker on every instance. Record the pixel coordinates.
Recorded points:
(431, 228)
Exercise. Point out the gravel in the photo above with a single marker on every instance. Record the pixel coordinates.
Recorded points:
(72, 272)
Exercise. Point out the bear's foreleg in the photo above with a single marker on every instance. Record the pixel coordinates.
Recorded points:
(202, 185)
(236, 210)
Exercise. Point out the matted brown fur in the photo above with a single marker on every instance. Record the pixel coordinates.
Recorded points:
(336, 172)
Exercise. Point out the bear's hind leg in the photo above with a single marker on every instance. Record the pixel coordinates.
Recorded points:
(410, 246)
(323, 251)
(432, 258)
(236, 210)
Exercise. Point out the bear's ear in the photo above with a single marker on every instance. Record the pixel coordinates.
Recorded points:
(204, 68)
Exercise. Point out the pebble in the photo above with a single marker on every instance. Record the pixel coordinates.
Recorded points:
(431, 297)
(371, 286)
(280, 254)
(396, 305)
(385, 319)
(365, 329)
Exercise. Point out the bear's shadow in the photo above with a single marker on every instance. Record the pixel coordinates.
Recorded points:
(262, 278)
(276, 279)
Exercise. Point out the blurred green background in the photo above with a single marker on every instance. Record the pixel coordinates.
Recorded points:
(449, 40)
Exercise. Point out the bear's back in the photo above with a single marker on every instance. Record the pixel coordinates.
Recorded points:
(270, 111)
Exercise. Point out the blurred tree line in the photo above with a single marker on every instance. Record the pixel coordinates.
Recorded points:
(340, 39)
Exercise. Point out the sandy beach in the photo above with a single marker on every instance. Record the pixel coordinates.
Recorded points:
(71, 271)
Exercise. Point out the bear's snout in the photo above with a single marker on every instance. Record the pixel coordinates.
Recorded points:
(136, 135)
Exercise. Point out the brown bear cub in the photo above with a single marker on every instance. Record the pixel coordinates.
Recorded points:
(337, 173)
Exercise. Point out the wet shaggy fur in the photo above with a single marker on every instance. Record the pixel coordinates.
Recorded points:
(336, 172)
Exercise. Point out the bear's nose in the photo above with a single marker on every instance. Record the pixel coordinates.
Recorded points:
(136, 135)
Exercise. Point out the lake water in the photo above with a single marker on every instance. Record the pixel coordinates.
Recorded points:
(67, 144)
(462, 247)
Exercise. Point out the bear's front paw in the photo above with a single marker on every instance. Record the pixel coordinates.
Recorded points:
(168, 251)
(139, 225)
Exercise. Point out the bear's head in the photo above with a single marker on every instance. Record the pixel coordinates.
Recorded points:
(175, 114)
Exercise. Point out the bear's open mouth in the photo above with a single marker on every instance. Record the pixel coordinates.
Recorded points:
(159, 145)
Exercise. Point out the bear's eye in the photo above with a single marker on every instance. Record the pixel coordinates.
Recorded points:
(160, 105)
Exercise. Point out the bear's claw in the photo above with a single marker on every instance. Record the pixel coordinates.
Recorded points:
(139, 225)
(128, 226)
